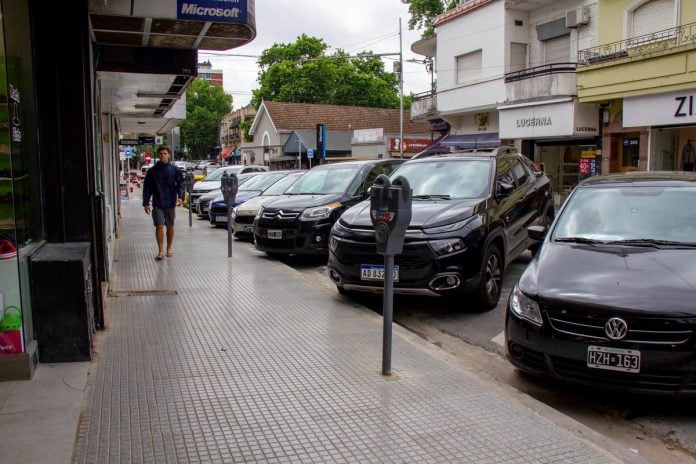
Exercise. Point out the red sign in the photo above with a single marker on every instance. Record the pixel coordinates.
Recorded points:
(584, 166)
(148, 157)
(410, 145)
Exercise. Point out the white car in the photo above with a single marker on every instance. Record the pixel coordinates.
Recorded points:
(244, 214)
(212, 182)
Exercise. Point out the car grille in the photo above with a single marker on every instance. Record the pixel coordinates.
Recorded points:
(244, 219)
(365, 252)
(280, 214)
(650, 331)
(285, 244)
(647, 379)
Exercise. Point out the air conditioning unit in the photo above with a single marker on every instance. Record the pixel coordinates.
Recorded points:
(578, 16)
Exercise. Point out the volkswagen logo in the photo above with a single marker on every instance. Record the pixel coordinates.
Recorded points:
(616, 328)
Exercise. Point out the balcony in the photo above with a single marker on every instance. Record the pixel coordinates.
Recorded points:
(549, 80)
(423, 106)
(660, 41)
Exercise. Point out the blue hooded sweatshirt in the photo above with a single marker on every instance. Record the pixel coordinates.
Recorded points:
(163, 182)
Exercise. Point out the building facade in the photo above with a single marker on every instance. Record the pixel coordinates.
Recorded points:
(641, 74)
(207, 73)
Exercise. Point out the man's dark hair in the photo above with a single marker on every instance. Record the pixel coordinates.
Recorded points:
(164, 147)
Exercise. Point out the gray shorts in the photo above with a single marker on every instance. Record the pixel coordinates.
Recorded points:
(163, 216)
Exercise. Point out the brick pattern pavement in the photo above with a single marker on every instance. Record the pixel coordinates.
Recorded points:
(248, 363)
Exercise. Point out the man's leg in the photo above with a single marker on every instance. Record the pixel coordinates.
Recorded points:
(170, 240)
(159, 233)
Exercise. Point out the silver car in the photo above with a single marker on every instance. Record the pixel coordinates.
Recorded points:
(202, 204)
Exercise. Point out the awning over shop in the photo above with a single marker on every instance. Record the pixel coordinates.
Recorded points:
(485, 140)
(225, 152)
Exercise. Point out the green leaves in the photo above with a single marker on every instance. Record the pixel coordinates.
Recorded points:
(303, 72)
(206, 104)
(423, 12)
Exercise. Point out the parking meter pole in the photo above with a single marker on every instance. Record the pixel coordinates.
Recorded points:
(229, 230)
(388, 313)
(189, 188)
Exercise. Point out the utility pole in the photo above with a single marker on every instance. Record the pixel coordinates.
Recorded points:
(401, 94)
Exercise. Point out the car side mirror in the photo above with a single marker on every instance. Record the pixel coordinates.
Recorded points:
(537, 232)
(504, 189)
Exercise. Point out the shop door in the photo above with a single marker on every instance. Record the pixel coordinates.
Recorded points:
(665, 150)
(561, 165)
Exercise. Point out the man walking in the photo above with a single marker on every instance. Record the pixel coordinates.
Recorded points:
(165, 184)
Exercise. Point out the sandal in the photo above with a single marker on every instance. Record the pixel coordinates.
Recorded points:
(159, 257)
(170, 254)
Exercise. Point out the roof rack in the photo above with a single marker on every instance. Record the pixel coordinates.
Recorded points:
(503, 150)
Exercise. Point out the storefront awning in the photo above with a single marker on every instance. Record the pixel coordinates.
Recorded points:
(225, 152)
(486, 140)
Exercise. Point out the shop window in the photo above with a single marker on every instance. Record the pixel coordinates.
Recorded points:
(631, 152)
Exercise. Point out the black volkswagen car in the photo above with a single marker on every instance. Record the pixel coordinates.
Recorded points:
(299, 222)
(470, 216)
(610, 299)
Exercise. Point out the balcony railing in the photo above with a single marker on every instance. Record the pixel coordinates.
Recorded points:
(543, 70)
(423, 105)
(641, 45)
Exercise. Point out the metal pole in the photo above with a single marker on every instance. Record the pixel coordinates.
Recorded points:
(190, 205)
(229, 230)
(387, 312)
(299, 153)
(401, 94)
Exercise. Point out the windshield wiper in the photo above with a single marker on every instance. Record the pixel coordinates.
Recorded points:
(653, 242)
(578, 240)
(432, 197)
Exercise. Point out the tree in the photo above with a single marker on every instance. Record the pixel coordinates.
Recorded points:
(206, 104)
(303, 72)
(423, 12)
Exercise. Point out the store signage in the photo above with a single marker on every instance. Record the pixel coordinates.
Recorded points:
(230, 11)
(143, 140)
(368, 135)
(660, 109)
(128, 142)
(409, 145)
(564, 119)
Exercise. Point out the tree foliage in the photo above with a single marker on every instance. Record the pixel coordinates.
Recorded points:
(206, 104)
(303, 72)
(423, 12)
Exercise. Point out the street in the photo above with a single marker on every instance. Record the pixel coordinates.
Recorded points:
(659, 429)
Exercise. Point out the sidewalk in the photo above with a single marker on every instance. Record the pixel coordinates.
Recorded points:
(211, 359)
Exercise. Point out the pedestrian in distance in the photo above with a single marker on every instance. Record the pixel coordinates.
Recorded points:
(165, 184)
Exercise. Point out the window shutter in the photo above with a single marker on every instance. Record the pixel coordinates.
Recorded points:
(518, 56)
(468, 67)
(656, 15)
(557, 50)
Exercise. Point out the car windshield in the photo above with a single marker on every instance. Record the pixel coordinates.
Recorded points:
(633, 213)
(262, 182)
(217, 174)
(451, 179)
(282, 185)
(320, 181)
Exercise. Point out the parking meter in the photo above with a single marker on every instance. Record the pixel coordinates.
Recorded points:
(229, 184)
(188, 183)
(390, 212)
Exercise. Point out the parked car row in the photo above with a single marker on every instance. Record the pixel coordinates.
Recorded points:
(606, 301)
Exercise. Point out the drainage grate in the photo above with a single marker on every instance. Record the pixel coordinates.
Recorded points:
(120, 293)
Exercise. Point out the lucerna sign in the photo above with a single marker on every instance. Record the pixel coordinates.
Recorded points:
(534, 122)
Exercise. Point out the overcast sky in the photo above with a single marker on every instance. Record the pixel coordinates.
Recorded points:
(353, 25)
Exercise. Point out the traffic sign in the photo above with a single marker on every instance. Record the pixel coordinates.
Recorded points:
(310, 153)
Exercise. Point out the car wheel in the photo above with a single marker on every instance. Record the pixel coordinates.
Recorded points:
(491, 283)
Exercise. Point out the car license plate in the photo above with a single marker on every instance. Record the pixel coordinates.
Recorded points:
(249, 229)
(204, 209)
(376, 272)
(277, 234)
(221, 218)
(613, 359)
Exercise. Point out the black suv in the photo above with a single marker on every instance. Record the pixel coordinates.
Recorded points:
(470, 216)
(299, 221)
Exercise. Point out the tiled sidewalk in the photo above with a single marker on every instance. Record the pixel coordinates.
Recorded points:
(240, 360)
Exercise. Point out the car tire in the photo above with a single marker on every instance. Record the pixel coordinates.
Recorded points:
(491, 283)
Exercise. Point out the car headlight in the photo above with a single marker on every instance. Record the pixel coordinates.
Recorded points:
(525, 307)
(446, 246)
(320, 212)
(338, 228)
(234, 212)
(448, 227)
(259, 213)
